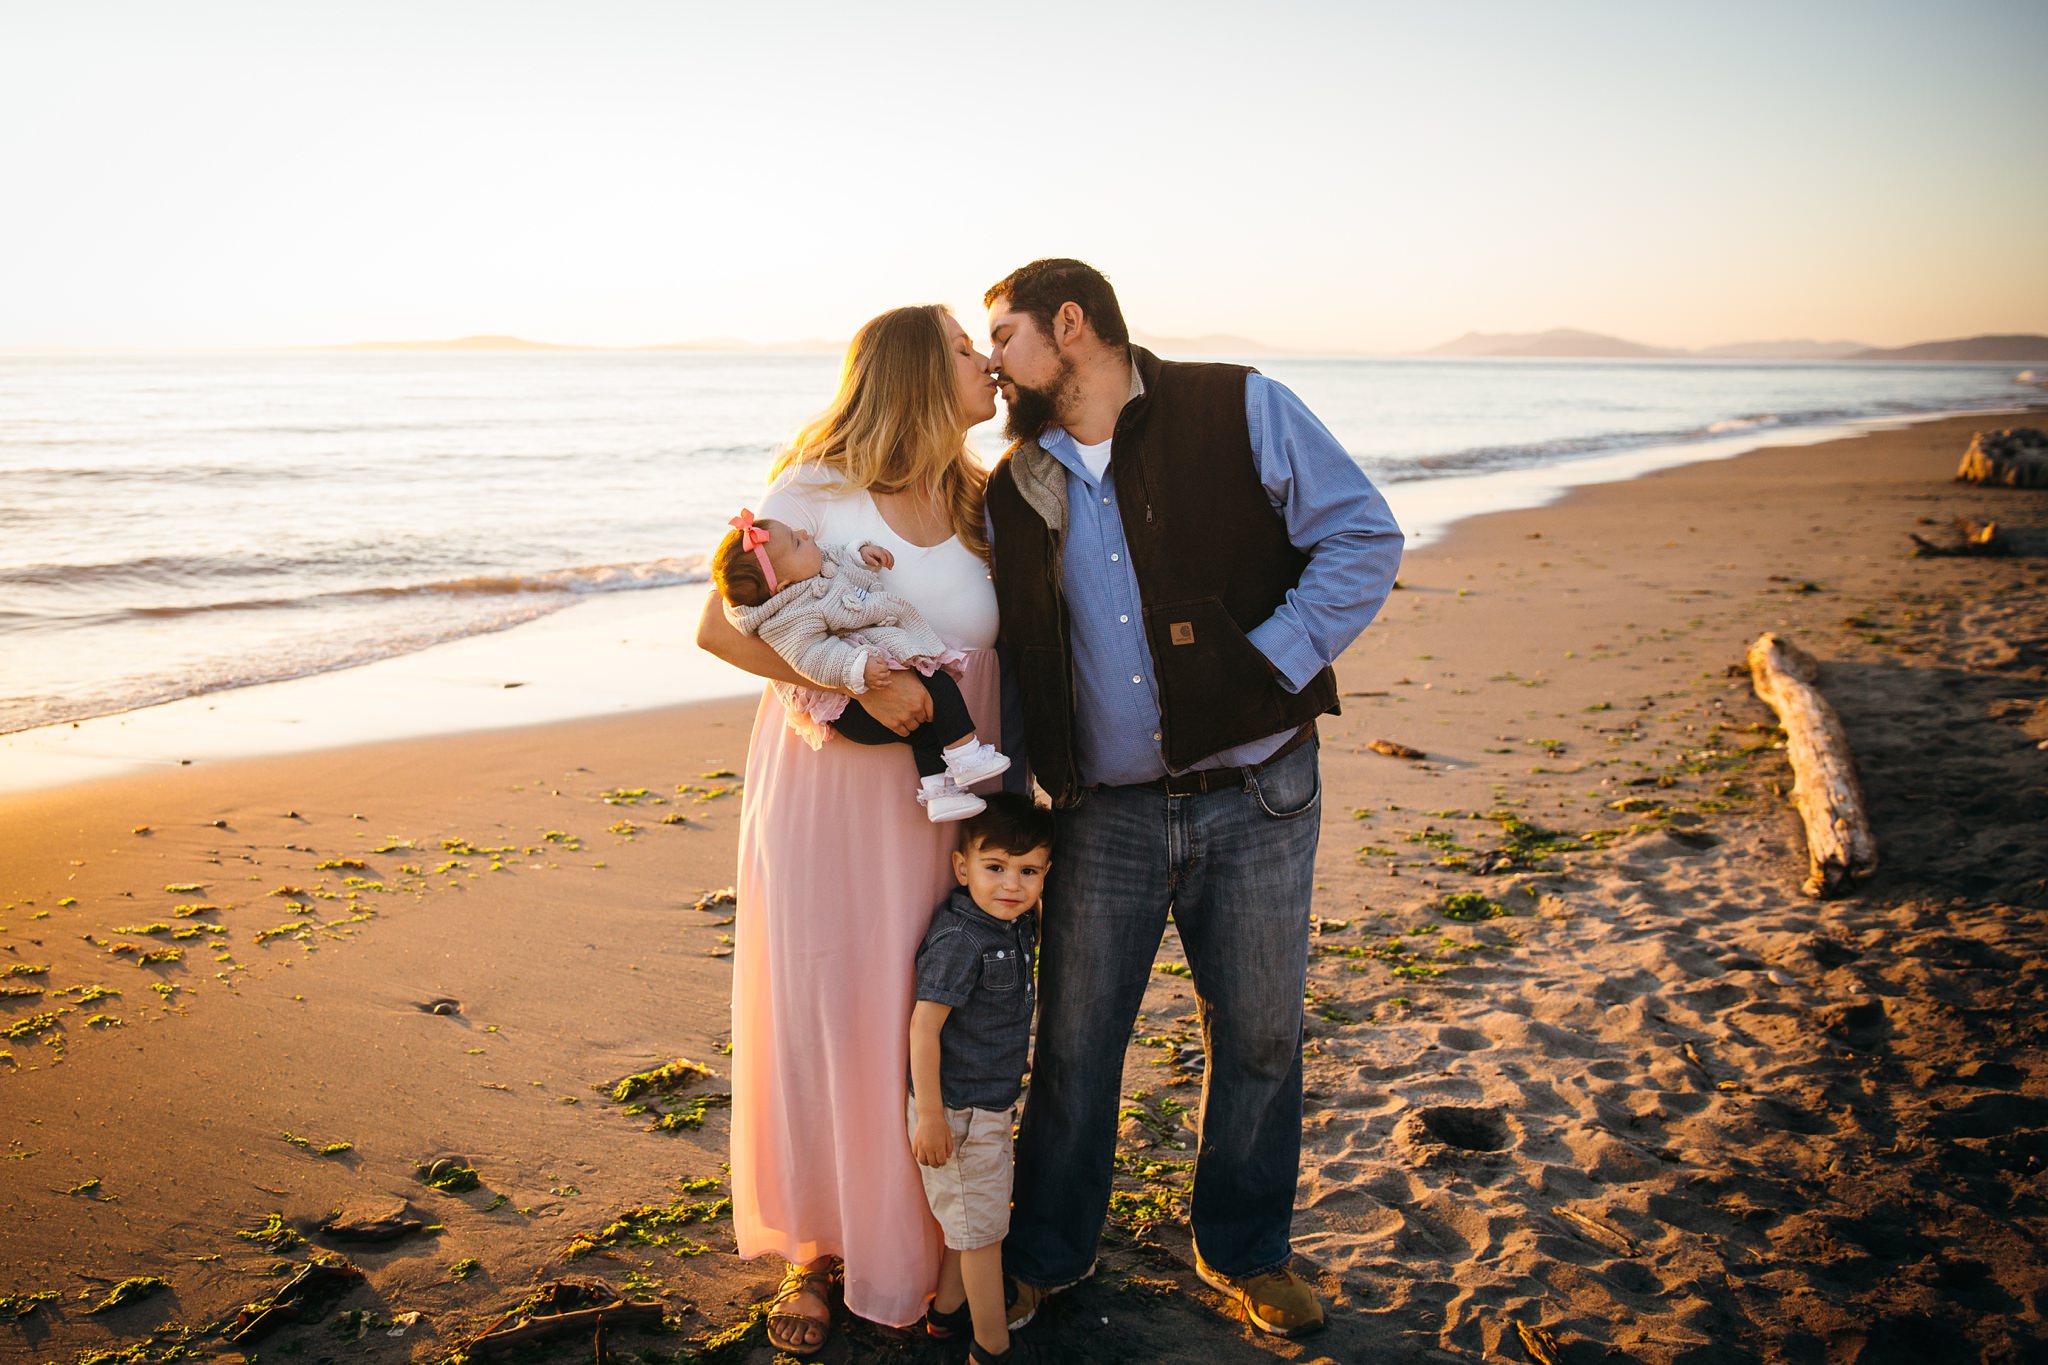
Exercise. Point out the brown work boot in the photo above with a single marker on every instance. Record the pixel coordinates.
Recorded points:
(1279, 1301)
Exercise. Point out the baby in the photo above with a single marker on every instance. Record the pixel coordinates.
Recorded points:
(825, 612)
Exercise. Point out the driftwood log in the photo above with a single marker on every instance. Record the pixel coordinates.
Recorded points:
(2014, 458)
(1839, 843)
(563, 1308)
(1977, 540)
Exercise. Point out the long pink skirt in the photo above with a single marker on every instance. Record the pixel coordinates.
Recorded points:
(839, 873)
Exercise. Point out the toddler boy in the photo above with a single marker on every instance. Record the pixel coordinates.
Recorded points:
(970, 1039)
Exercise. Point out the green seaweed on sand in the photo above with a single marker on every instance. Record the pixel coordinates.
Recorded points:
(448, 1176)
(198, 908)
(623, 827)
(691, 1115)
(1326, 1011)
(92, 1187)
(340, 865)
(649, 1225)
(129, 1290)
(1470, 907)
(464, 1268)
(1455, 855)
(184, 888)
(273, 1232)
(157, 928)
(38, 1023)
(664, 1078)
(20, 992)
(160, 955)
(1173, 969)
(626, 796)
(729, 1345)
(306, 1144)
(1525, 845)
(1136, 1213)
(103, 1021)
(161, 1347)
(280, 931)
(717, 773)
(26, 969)
(15, 1307)
(1636, 805)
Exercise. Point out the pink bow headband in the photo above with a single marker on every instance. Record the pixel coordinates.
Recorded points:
(754, 536)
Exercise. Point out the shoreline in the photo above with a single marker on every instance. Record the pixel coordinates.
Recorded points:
(635, 651)
(1659, 1103)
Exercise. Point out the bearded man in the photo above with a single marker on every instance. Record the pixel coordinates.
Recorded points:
(1180, 551)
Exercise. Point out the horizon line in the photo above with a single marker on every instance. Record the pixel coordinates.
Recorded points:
(1210, 343)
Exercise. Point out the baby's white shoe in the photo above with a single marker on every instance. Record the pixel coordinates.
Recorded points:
(976, 762)
(944, 800)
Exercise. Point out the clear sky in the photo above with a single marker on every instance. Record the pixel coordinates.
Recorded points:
(1352, 176)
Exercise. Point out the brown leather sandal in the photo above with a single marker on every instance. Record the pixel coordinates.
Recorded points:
(796, 1281)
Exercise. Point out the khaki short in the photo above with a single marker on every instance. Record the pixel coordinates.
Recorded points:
(970, 1194)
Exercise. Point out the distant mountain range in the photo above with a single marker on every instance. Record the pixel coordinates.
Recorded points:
(1564, 342)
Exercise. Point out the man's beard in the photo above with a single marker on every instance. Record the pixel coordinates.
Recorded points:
(1031, 411)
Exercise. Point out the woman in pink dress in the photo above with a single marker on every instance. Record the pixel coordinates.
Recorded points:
(838, 873)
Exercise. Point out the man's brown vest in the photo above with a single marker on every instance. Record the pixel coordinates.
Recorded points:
(1212, 560)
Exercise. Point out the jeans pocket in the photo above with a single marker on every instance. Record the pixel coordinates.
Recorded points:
(1287, 790)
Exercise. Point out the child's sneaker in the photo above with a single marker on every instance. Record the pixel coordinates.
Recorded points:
(977, 762)
(944, 800)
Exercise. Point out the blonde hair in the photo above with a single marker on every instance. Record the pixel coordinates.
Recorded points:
(895, 423)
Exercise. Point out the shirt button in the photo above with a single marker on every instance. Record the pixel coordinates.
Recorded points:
(1123, 620)
(1105, 502)
(1114, 558)
(1155, 736)
(1136, 678)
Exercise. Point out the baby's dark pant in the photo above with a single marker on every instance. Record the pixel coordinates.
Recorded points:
(950, 723)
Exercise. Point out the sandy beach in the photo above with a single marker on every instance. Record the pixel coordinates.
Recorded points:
(1583, 1060)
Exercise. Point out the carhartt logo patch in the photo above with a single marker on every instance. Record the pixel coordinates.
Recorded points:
(1181, 632)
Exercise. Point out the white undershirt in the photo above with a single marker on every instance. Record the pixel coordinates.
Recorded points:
(1095, 457)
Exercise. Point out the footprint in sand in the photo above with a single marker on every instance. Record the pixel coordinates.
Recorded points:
(1445, 1133)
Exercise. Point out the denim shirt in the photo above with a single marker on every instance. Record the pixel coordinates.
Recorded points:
(981, 967)
(1333, 514)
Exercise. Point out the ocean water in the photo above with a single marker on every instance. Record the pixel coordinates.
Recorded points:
(174, 524)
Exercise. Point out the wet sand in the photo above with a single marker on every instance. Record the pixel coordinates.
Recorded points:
(1660, 1105)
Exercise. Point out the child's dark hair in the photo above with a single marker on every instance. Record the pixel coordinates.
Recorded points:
(737, 572)
(1011, 824)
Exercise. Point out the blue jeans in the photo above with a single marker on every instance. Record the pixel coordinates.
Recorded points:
(1236, 869)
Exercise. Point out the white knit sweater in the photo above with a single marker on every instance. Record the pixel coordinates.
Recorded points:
(805, 623)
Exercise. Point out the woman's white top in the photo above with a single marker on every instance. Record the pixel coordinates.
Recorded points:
(947, 582)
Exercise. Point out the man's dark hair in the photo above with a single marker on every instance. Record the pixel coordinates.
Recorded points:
(1039, 289)
(1013, 823)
